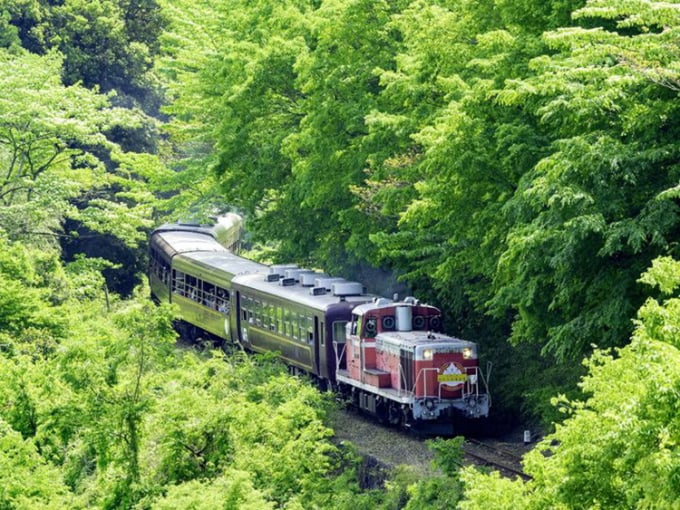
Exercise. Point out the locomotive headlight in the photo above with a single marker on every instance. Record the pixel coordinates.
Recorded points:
(427, 354)
(467, 352)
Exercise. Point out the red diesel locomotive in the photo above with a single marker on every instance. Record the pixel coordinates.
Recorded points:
(387, 357)
(398, 365)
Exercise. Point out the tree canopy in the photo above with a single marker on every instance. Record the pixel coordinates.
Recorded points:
(514, 162)
(617, 448)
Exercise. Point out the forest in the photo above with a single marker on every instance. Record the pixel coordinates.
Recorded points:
(514, 162)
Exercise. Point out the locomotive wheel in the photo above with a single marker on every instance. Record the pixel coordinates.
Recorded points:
(399, 416)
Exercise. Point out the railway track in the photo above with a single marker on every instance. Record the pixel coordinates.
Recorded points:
(391, 447)
(484, 453)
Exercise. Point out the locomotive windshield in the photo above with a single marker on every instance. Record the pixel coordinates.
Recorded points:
(356, 320)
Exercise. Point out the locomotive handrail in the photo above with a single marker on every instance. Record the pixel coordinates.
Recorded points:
(485, 381)
(402, 379)
(470, 388)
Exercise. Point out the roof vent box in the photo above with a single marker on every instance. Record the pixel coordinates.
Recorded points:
(327, 282)
(297, 273)
(347, 288)
(281, 268)
(307, 279)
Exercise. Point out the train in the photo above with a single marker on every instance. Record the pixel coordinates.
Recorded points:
(387, 357)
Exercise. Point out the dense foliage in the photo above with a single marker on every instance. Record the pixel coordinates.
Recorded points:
(77, 145)
(101, 409)
(618, 448)
(517, 162)
(514, 162)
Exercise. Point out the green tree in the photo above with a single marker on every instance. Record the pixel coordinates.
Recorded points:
(234, 99)
(26, 481)
(589, 217)
(617, 447)
(330, 150)
(233, 490)
(58, 122)
(106, 44)
(50, 139)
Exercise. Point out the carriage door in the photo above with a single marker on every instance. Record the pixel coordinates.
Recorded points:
(241, 329)
(317, 345)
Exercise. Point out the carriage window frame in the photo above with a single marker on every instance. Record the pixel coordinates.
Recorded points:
(178, 282)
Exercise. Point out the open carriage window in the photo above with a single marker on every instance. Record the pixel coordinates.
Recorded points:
(339, 332)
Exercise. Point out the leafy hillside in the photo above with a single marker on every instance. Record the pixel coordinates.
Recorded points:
(514, 162)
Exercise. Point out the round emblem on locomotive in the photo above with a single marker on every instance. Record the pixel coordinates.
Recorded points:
(452, 375)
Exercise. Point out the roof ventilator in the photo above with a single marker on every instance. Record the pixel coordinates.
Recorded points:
(281, 268)
(347, 289)
(381, 301)
(327, 283)
(308, 279)
(297, 273)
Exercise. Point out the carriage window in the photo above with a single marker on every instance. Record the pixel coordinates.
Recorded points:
(309, 327)
(270, 321)
(222, 299)
(339, 332)
(159, 266)
(178, 283)
(246, 307)
(192, 288)
(278, 313)
(257, 312)
(162, 269)
(293, 322)
(295, 318)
